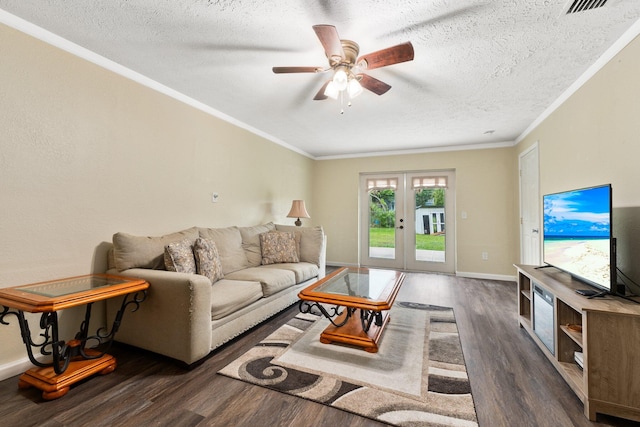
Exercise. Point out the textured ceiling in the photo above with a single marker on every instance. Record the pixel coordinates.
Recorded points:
(483, 72)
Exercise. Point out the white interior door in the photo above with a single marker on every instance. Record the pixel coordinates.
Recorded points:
(530, 231)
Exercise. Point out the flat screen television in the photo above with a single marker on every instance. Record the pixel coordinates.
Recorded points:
(577, 235)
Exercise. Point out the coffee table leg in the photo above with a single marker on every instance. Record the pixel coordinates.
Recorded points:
(352, 333)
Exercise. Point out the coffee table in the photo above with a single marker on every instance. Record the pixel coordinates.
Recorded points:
(83, 356)
(356, 301)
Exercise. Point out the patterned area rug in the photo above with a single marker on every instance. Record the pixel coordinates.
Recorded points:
(417, 378)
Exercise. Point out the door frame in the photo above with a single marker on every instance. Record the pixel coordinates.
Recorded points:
(527, 231)
(406, 242)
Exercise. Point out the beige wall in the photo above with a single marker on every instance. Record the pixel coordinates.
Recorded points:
(594, 138)
(486, 184)
(85, 153)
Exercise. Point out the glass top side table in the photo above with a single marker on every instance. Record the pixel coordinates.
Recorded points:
(83, 356)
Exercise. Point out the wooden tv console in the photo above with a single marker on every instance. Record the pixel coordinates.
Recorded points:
(610, 341)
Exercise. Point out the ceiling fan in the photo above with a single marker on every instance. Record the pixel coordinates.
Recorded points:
(348, 68)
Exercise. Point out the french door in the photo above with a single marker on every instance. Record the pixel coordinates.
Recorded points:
(407, 221)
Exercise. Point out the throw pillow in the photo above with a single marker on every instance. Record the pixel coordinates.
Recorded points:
(178, 256)
(278, 247)
(207, 259)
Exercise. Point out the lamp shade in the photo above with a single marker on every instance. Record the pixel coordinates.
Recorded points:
(298, 211)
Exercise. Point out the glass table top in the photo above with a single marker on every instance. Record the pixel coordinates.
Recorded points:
(368, 285)
(70, 286)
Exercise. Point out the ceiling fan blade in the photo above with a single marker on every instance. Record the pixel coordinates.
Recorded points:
(281, 70)
(320, 95)
(330, 40)
(374, 85)
(389, 56)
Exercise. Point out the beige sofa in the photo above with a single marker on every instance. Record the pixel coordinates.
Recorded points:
(185, 315)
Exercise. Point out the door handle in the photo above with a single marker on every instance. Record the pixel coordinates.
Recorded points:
(401, 227)
(535, 230)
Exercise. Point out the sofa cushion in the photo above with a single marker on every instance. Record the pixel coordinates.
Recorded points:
(311, 242)
(229, 243)
(303, 270)
(178, 257)
(228, 296)
(278, 246)
(207, 259)
(271, 279)
(131, 251)
(251, 242)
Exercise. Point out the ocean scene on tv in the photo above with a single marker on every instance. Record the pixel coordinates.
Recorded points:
(577, 232)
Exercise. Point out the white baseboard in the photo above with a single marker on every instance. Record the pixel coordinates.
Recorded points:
(342, 264)
(470, 275)
(14, 368)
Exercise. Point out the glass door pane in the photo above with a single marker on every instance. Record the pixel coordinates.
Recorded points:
(429, 224)
(382, 223)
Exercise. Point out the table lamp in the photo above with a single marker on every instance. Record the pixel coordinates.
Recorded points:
(298, 211)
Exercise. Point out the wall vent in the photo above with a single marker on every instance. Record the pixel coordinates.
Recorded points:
(576, 6)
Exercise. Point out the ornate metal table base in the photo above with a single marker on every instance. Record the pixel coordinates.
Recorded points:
(353, 326)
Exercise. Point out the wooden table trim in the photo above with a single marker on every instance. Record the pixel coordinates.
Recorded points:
(384, 303)
(16, 298)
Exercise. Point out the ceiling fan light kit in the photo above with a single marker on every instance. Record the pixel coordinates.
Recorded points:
(354, 88)
(348, 69)
(340, 78)
(343, 80)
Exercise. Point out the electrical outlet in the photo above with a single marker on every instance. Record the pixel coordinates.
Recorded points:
(485, 255)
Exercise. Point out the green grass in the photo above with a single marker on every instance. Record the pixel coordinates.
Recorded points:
(384, 238)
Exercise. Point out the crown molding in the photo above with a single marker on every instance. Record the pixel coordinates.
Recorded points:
(61, 43)
(607, 56)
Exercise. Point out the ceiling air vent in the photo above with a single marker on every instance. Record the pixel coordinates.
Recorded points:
(582, 5)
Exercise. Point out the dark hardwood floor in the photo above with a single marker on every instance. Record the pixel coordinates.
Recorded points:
(513, 383)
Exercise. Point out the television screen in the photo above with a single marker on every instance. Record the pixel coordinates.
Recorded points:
(577, 234)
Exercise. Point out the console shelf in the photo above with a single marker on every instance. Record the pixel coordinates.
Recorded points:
(606, 331)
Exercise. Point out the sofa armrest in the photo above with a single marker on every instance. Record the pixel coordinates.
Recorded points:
(322, 268)
(175, 318)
